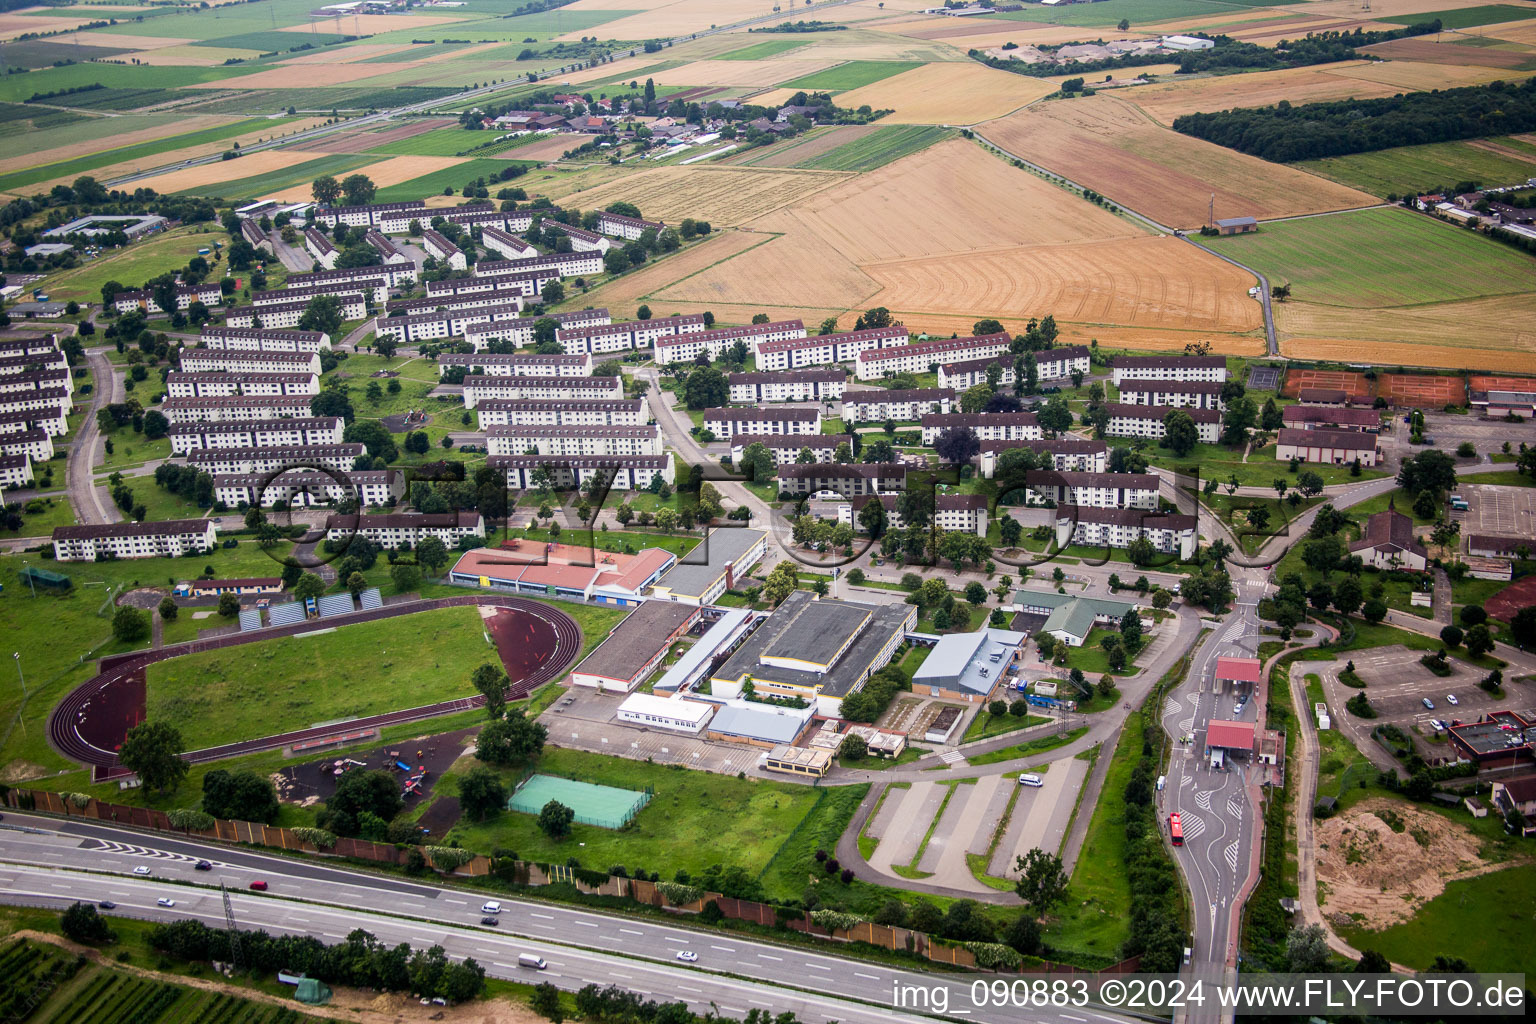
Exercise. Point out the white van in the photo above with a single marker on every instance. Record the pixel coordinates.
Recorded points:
(531, 960)
(1162, 780)
(491, 907)
(1031, 780)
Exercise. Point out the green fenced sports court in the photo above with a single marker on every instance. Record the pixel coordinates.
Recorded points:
(603, 806)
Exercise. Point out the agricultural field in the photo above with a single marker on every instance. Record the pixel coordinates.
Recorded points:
(292, 680)
(851, 75)
(876, 149)
(1465, 17)
(1409, 169)
(1106, 143)
(415, 177)
(1109, 12)
(294, 174)
(724, 196)
(802, 149)
(765, 50)
(951, 93)
(1486, 334)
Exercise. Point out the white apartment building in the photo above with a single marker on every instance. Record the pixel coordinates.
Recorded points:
(15, 471)
(36, 444)
(34, 381)
(1067, 453)
(479, 388)
(1097, 490)
(264, 340)
(1055, 364)
(520, 331)
(388, 249)
(205, 360)
(396, 275)
(505, 244)
(962, 513)
(822, 385)
(253, 408)
(207, 294)
(215, 384)
(786, 448)
(919, 357)
(481, 216)
(567, 264)
(563, 412)
(35, 345)
(517, 364)
(627, 334)
(216, 461)
(624, 472)
(439, 248)
(478, 300)
(1176, 394)
(1208, 368)
(53, 359)
(905, 405)
(1127, 420)
(395, 530)
(320, 248)
(53, 420)
(989, 426)
(529, 282)
(520, 440)
(851, 480)
(285, 316)
(411, 328)
(1169, 533)
(48, 404)
(394, 217)
(715, 342)
(300, 432)
(825, 349)
(628, 228)
(374, 287)
(583, 240)
(308, 488)
(726, 422)
(171, 538)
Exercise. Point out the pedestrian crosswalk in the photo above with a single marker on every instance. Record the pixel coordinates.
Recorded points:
(951, 756)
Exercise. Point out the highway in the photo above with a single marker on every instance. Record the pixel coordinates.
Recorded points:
(49, 866)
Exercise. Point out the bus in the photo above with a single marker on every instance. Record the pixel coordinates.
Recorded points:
(1176, 829)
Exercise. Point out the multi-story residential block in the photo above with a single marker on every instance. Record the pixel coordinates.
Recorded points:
(505, 244)
(264, 340)
(216, 384)
(1178, 394)
(825, 349)
(1208, 368)
(484, 333)
(714, 343)
(368, 282)
(285, 316)
(786, 448)
(963, 513)
(855, 480)
(728, 421)
(210, 360)
(33, 381)
(36, 444)
(186, 294)
(628, 228)
(53, 420)
(31, 345)
(16, 471)
(488, 216)
(320, 248)
(1168, 532)
(922, 356)
(388, 249)
(54, 359)
(1051, 365)
(567, 264)
(627, 335)
(529, 282)
(524, 440)
(169, 538)
(410, 328)
(307, 488)
(563, 412)
(395, 530)
(823, 385)
(1067, 453)
(988, 426)
(446, 303)
(1127, 420)
(623, 472)
(517, 364)
(1333, 447)
(879, 404)
(46, 403)
(300, 432)
(396, 275)
(479, 388)
(1098, 490)
(215, 461)
(251, 408)
(391, 217)
(441, 249)
(583, 240)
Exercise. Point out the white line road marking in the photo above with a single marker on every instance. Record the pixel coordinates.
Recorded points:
(766, 956)
(723, 949)
(630, 931)
(818, 967)
(690, 988)
(586, 924)
(547, 917)
(870, 977)
(1081, 1020)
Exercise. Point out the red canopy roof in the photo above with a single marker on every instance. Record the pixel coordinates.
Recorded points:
(1230, 735)
(1242, 670)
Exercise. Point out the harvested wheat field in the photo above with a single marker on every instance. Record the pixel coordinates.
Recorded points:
(1416, 76)
(1170, 98)
(1515, 32)
(389, 171)
(1381, 860)
(191, 56)
(374, 24)
(312, 76)
(659, 19)
(1116, 149)
(740, 72)
(361, 141)
(799, 151)
(794, 268)
(1429, 51)
(911, 208)
(248, 166)
(552, 147)
(770, 97)
(724, 196)
(1158, 282)
(957, 92)
(1480, 334)
(348, 55)
(190, 123)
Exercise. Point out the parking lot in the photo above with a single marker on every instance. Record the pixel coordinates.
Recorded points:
(587, 722)
(1500, 511)
(1397, 686)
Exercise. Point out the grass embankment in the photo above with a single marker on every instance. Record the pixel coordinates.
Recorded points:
(985, 725)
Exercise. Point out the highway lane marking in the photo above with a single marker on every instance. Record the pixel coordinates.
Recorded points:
(869, 977)
(547, 917)
(585, 924)
(616, 974)
(1080, 1020)
(690, 988)
(723, 949)
(767, 956)
(818, 967)
(630, 931)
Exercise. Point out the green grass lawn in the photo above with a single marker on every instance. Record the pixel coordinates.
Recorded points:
(851, 75)
(877, 148)
(133, 265)
(984, 725)
(294, 682)
(1220, 463)
(1028, 748)
(1409, 169)
(765, 49)
(55, 512)
(1091, 657)
(130, 449)
(628, 541)
(1376, 258)
(260, 184)
(694, 820)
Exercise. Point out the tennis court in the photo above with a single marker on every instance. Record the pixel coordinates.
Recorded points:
(1355, 384)
(1420, 389)
(1263, 378)
(603, 806)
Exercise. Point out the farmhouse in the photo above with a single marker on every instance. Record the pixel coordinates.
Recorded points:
(517, 364)
(1050, 365)
(1309, 417)
(968, 666)
(1126, 420)
(786, 448)
(628, 228)
(622, 472)
(395, 530)
(1098, 490)
(923, 356)
(235, 407)
(170, 538)
(479, 388)
(877, 405)
(287, 315)
(1067, 453)
(1178, 394)
(1388, 542)
(523, 440)
(822, 350)
(787, 386)
(629, 654)
(557, 412)
(1168, 533)
(1126, 368)
(197, 434)
(1070, 618)
(726, 555)
(563, 570)
(685, 348)
(1335, 447)
(263, 340)
(817, 650)
(728, 421)
(963, 513)
(303, 488)
(856, 480)
(988, 426)
(337, 457)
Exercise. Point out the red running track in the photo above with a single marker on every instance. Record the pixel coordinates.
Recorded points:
(120, 682)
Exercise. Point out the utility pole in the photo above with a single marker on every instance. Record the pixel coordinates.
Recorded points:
(229, 922)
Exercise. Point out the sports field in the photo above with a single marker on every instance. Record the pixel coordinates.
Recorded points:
(133, 265)
(1408, 170)
(1376, 258)
(271, 686)
(603, 806)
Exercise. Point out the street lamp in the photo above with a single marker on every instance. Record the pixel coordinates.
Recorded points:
(23, 678)
(30, 581)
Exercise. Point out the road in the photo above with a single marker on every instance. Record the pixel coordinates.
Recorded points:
(1218, 807)
(79, 474)
(581, 946)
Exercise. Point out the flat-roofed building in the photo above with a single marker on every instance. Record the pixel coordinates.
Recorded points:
(1500, 739)
(811, 762)
(1330, 447)
(563, 570)
(672, 713)
(709, 570)
(759, 725)
(635, 648)
(170, 538)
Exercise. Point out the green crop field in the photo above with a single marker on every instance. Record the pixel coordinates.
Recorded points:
(765, 49)
(16, 88)
(271, 42)
(261, 184)
(878, 148)
(1380, 257)
(417, 52)
(851, 75)
(292, 682)
(1465, 17)
(1138, 12)
(694, 820)
(442, 142)
(81, 165)
(455, 177)
(1410, 169)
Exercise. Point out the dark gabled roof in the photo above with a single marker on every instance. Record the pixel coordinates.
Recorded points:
(167, 527)
(1167, 362)
(782, 376)
(1389, 530)
(1131, 410)
(1350, 440)
(875, 470)
(1126, 481)
(1127, 517)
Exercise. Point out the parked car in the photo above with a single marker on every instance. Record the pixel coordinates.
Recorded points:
(1450, 699)
(1031, 780)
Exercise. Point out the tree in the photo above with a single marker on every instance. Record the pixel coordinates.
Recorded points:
(976, 593)
(1348, 595)
(432, 553)
(322, 313)
(1179, 432)
(326, 190)
(168, 609)
(229, 605)
(152, 751)
(1374, 610)
(1270, 417)
(1479, 640)
(1055, 416)
(405, 576)
(853, 748)
(515, 739)
(757, 462)
(555, 819)
(1042, 882)
(156, 425)
(493, 683)
(356, 583)
(1240, 417)
(481, 793)
(1023, 934)
(82, 924)
(359, 793)
(1306, 949)
(130, 625)
(239, 796)
(706, 388)
(358, 189)
(872, 517)
(1430, 470)
(1522, 628)
(545, 1001)
(309, 587)
(957, 445)
(1451, 636)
